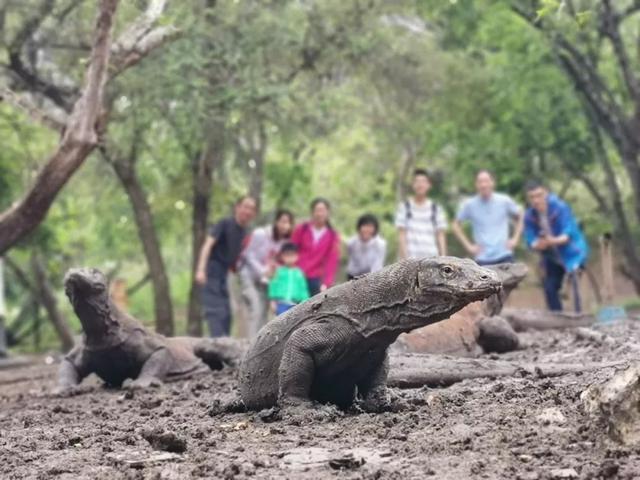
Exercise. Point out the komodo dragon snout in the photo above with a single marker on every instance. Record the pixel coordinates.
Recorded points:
(84, 282)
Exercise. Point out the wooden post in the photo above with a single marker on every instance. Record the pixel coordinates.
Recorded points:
(3, 314)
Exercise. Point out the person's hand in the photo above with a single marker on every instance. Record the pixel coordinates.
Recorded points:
(541, 243)
(474, 249)
(512, 243)
(201, 277)
(323, 287)
(273, 306)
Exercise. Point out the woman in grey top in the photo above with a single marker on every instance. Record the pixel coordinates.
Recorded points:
(367, 251)
(257, 264)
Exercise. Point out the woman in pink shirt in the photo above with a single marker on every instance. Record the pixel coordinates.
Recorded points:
(318, 247)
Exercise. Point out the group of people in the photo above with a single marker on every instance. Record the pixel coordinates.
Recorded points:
(283, 264)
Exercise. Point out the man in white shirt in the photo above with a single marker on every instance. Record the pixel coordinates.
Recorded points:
(421, 223)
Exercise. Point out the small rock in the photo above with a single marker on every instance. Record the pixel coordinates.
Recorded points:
(551, 416)
(608, 469)
(269, 415)
(347, 462)
(616, 403)
(564, 473)
(165, 440)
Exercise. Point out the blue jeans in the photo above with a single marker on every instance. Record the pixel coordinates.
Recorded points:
(314, 285)
(552, 283)
(215, 301)
(282, 307)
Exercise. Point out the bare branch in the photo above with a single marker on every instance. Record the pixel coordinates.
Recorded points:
(141, 38)
(610, 27)
(52, 119)
(78, 140)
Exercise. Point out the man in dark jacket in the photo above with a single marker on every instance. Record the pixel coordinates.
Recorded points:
(218, 255)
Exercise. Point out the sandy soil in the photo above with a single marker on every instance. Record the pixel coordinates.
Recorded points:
(507, 428)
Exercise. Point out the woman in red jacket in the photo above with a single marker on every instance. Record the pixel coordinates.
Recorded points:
(318, 247)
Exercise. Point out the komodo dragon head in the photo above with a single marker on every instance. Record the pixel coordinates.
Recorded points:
(88, 292)
(414, 293)
(510, 274)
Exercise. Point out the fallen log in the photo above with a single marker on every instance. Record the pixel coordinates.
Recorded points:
(418, 370)
(522, 319)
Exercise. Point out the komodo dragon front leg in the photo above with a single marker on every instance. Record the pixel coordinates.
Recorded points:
(309, 349)
(153, 371)
(373, 388)
(71, 372)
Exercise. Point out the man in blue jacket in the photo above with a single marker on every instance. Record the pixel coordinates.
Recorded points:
(551, 229)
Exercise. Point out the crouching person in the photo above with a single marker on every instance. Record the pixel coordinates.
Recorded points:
(289, 285)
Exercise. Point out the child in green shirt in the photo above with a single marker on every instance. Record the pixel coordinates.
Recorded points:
(288, 287)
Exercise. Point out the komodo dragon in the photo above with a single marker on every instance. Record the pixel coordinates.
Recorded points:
(120, 350)
(326, 348)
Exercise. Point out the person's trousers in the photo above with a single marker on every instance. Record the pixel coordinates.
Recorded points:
(254, 296)
(282, 307)
(215, 303)
(314, 285)
(505, 259)
(552, 283)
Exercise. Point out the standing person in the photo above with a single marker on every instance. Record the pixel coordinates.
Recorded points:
(257, 265)
(421, 222)
(490, 214)
(318, 247)
(367, 250)
(218, 255)
(552, 230)
(288, 286)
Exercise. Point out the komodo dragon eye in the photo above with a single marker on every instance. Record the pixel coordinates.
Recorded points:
(447, 270)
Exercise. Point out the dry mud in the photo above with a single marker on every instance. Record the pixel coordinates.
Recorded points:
(506, 428)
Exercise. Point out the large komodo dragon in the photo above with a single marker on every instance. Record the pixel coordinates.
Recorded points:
(119, 349)
(336, 343)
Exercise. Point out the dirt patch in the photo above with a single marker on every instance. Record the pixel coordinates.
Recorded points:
(524, 427)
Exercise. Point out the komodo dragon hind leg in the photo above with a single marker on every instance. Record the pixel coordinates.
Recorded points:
(218, 352)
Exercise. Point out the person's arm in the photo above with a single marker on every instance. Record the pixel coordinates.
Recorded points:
(441, 235)
(205, 251)
(517, 213)
(532, 234)
(468, 245)
(517, 230)
(331, 264)
(401, 225)
(442, 242)
(402, 243)
(378, 262)
(566, 221)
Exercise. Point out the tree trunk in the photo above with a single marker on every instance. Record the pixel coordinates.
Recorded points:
(163, 307)
(48, 300)
(203, 166)
(415, 370)
(78, 140)
(258, 152)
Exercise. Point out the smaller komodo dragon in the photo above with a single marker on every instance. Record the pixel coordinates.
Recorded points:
(118, 348)
(334, 345)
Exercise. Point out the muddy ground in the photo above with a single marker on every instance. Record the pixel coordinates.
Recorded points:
(511, 428)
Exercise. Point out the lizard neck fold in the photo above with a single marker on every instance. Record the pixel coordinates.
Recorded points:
(99, 320)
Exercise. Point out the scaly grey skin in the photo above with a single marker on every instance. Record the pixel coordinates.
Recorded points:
(120, 350)
(510, 275)
(336, 343)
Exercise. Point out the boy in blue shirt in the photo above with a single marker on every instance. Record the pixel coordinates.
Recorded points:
(552, 230)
